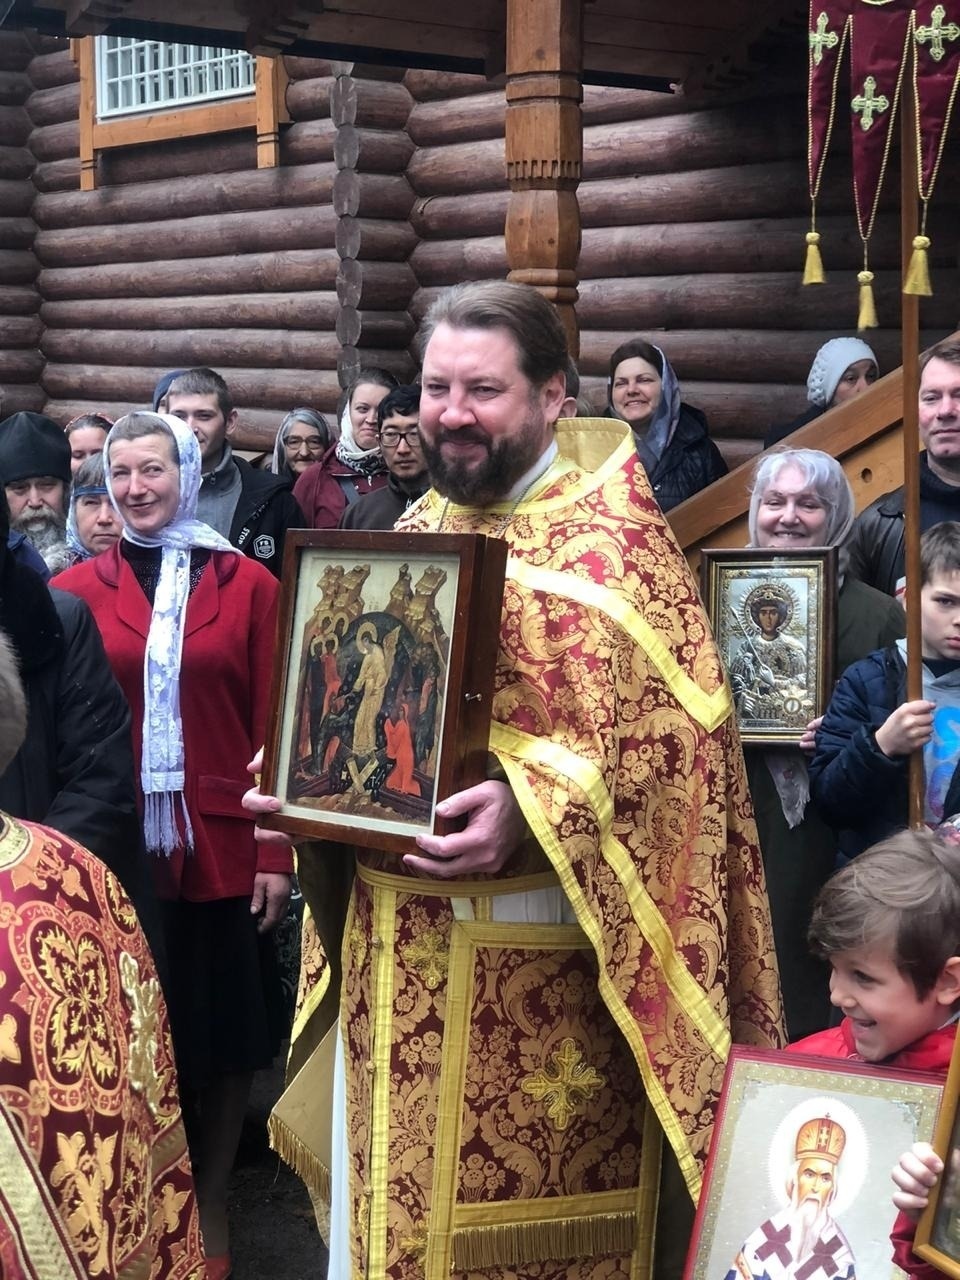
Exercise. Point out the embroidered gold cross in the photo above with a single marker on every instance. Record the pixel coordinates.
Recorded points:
(868, 104)
(821, 38)
(566, 1084)
(936, 33)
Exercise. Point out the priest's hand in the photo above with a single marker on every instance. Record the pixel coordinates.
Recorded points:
(495, 829)
(915, 1173)
(254, 801)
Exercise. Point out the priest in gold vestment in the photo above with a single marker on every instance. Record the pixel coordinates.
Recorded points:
(536, 1010)
(96, 1179)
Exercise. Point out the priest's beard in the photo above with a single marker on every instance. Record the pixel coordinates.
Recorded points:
(490, 480)
(46, 530)
(809, 1220)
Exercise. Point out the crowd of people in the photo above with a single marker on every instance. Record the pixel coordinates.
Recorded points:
(514, 1038)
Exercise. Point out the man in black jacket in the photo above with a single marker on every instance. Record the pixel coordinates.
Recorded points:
(75, 769)
(253, 509)
(398, 415)
(877, 541)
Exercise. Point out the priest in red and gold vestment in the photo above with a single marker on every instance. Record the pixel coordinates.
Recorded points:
(96, 1179)
(537, 1008)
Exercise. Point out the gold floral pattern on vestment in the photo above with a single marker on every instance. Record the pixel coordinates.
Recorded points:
(566, 1083)
(428, 955)
(142, 1065)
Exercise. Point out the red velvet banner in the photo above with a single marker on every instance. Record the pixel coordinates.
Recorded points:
(829, 24)
(937, 71)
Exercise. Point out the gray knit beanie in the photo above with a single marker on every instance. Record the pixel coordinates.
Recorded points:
(830, 364)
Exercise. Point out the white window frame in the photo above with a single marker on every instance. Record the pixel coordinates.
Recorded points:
(153, 76)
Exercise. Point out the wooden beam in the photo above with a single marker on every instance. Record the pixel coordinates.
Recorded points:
(544, 149)
(88, 111)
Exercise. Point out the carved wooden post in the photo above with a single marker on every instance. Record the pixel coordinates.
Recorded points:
(544, 137)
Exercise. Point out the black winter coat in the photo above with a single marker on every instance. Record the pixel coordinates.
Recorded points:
(689, 463)
(266, 509)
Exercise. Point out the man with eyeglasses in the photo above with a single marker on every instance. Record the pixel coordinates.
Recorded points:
(399, 418)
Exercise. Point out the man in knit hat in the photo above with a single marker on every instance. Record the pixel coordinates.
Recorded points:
(35, 472)
(877, 541)
(841, 369)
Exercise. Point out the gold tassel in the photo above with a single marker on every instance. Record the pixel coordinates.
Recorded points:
(813, 270)
(867, 318)
(918, 273)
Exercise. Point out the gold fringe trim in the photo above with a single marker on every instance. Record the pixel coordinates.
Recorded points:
(514, 1243)
(813, 270)
(918, 273)
(305, 1163)
(867, 319)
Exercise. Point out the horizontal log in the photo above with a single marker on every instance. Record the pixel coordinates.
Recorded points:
(373, 195)
(15, 88)
(743, 355)
(18, 364)
(54, 106)
(309, 99)
(16, 164)
(281, 389)
(279, 348)
(18, 266)
(20, 331)
(372, 150)
(19, 397)
(438, 262)
(305, 310)
(16, 301)
(14, 127)
(307, 68)
(178, 158)
(255, 431)
(17, 233)
(58, 175)
(388, 329)
(374, 239)
(399, 363)
(379, 286)
(252, 231)
(603, 104)
(457, 120)
(369, 104)
(56, 141)
(188, 197)
(50, 69)
(472, 166)
(16, 197)
(725, 300)
(734, 410)
(266, 272)
(736, 451)
(15, 51)
(429, 86)
(445, 217)
(307, 142)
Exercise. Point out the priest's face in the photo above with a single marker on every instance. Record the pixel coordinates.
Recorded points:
(483, 423)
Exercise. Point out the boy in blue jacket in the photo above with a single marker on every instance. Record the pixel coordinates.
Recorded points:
(858, 774)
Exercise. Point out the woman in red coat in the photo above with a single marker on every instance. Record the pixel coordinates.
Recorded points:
(189, 627)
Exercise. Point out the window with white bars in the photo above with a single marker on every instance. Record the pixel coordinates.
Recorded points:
(145, 75)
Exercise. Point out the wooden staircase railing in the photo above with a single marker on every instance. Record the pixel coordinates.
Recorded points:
(863, 434)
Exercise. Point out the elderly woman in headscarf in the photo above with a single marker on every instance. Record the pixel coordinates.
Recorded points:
(189, 627)
(678, 455)
(841, 369)
(93, 525)
(801, 498)
(354, 465)
(302, 439)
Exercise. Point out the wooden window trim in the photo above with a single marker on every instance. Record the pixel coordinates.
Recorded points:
(264, 111)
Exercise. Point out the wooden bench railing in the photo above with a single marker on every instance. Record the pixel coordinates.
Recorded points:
(864, 434)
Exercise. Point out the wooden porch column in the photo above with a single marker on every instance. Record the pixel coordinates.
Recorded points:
(544, 142)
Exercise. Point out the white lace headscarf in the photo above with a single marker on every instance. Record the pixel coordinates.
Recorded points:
(162, 760)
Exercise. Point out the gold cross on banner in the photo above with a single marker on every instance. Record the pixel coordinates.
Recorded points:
(822, 38)
(867, 104)
(936, 33)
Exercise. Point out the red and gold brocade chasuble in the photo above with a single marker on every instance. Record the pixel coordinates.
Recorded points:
(94, 1174)
(507, 1082)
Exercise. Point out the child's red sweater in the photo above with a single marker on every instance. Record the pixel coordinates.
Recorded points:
(930, 1053)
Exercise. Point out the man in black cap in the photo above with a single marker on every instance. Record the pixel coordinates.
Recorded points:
(35, 472)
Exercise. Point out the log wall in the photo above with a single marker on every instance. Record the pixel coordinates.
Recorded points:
(693, 236)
